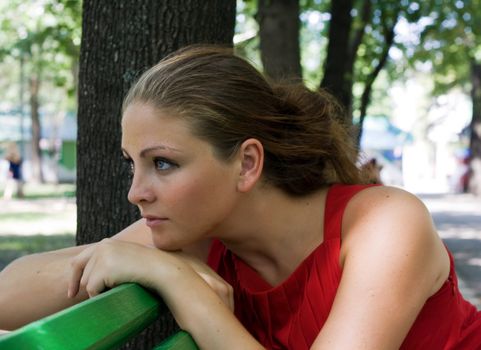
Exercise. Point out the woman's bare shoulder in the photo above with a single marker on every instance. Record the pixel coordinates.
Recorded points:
(381, 205)
(392, 256)
(389, 215)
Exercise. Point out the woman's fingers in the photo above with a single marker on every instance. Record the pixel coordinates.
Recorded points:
(108, 263)
(229, 292)
(77, 265)
(88, 271)
(231, 299)
(98, 267)
(223, 290)
(95, 285)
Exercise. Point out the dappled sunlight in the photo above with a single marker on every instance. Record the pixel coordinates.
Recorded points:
(474, 261)
(458, 221)
(454, 232)
(455, 215)
(41, 216)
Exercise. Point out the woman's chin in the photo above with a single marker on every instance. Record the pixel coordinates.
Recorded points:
(166, 245)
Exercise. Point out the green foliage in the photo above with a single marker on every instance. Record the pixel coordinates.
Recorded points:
(246, 40)
(314, 18)
(450, 41)
(385, 14)
(45, 36)
(313, 41)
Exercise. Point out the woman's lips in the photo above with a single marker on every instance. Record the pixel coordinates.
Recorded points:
(151, 221)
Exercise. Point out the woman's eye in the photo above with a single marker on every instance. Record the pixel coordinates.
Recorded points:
(163, 164)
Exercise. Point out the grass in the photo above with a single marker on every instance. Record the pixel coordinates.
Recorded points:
(42, 191)
(13, 246)
(23, 216)
(20, 229)
(49, 191)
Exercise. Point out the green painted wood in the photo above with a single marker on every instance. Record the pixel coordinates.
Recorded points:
(103, 322)
(179, 341)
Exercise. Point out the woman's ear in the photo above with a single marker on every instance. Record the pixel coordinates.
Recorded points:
(251, 153)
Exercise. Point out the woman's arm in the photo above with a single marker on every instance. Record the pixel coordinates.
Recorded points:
(198, 298)
(393, 261)
(34, 286)
(198, 309)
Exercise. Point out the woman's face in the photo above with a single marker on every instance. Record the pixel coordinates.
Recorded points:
(182, 190)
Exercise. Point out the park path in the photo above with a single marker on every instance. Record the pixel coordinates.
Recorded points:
(46, 216)
(458, 220)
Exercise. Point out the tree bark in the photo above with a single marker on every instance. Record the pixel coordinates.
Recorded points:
(357, 37)
(36, 159)
(120, 40)
(366, 94)
(279, 39)
(336, 72)
(475, 128)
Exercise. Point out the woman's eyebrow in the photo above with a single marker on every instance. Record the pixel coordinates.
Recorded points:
(144, 152)
(155, 148)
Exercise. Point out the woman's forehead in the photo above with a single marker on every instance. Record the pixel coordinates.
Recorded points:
(146, 126)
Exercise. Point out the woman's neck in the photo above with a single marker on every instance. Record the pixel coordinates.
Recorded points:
(273, 232)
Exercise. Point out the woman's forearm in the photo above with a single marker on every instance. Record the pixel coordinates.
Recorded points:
(211, 323)
(34, 286)
(199, 310)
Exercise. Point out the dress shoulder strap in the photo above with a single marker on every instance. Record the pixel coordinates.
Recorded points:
(337, 198)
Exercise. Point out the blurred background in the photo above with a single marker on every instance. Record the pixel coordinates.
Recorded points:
(407, 72)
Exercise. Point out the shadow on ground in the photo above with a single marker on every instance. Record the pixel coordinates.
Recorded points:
(13, 246)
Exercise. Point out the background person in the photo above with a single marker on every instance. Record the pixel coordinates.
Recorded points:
(14, 184)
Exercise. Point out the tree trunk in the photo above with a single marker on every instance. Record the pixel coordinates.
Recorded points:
(36, 159)
(279, 39)
(336, 73)
(366, 94)
(475, 141)
(357, 37)
(120, 40)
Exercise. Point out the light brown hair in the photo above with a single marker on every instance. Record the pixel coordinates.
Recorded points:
(226, 101)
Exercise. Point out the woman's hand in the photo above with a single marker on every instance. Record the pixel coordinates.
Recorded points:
(200, 301)
(109, 263)
(223, 289)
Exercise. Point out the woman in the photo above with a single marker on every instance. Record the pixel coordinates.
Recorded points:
(260, 181)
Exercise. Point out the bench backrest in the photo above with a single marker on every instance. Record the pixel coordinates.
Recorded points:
(104, 322)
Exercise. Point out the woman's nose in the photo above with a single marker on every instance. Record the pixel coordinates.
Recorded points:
(140, 191)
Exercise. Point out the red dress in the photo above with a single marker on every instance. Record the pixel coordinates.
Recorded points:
(291, 315)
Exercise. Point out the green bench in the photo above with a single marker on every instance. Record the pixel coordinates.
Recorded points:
(104, 322)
